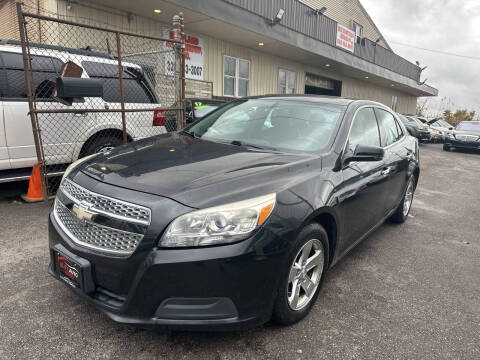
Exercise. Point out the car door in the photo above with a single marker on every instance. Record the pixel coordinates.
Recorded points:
(397, 157)
(18, 127)
(362, 192)
(16, 123)
(4, 159)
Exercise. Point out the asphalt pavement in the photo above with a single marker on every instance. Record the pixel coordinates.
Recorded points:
(409, 291)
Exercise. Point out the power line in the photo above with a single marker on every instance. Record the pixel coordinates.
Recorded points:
(438, 51)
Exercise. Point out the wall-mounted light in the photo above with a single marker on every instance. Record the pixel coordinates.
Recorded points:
(261, 44)
(366, 77)
(327, 65)
(157, 11)
(320, 11)
(278, 17)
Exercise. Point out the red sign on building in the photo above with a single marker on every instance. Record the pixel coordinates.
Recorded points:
(345, 38)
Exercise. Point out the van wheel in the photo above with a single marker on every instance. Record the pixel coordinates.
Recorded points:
(101, 144)
(302, 276)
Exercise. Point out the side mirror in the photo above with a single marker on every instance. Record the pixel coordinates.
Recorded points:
(365, 153)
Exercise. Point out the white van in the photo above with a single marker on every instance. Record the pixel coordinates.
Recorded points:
(68, 136)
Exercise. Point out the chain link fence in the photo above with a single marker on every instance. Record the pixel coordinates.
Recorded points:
(91, 89)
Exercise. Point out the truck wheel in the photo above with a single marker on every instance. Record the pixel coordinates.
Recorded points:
(101, 144)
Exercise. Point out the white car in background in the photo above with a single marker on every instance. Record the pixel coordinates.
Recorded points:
(442, 126)
(68, 136)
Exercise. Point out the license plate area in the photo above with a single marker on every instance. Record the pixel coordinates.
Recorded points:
(72, 269)
(68, 270)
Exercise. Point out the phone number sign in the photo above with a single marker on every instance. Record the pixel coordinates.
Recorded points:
(345, 38)
(194, 56)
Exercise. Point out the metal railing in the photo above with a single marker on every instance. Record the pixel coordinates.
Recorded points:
(301, 18)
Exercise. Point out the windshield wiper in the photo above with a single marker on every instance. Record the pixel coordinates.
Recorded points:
(191, 134)
(240, 143)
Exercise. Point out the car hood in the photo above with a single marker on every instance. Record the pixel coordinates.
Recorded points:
(464, 132)
(196, 172)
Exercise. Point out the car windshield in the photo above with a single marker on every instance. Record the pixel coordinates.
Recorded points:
(202, 109)
(272, 123)
(414, 120)
(444, 123)
(404, 119)
(469, 126)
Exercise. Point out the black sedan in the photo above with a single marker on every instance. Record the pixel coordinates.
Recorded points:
(236, 219)
(466, 135)
(415, 127)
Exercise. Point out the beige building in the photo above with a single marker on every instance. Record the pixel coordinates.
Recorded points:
(245, 51)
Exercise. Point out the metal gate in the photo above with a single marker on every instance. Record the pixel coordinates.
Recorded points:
(90, 88)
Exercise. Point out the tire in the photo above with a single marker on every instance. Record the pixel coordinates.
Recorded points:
(286, 311)
(446, 147)
(101, 144)
(403, 209)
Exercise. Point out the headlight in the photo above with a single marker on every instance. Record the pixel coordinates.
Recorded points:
(219, 225)
(451, 136)
(75, 164)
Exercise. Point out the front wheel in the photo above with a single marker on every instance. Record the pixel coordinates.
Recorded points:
(446, 147)
(301, 280)
(405, 205)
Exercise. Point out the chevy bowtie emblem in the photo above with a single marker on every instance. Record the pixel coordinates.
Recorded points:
(82, 211)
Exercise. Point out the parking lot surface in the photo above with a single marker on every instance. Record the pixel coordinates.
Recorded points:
(407, 292)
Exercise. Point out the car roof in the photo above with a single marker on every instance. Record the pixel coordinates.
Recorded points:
(333, 100)
(80, 56)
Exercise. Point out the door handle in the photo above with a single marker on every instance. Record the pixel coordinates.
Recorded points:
(386, 171)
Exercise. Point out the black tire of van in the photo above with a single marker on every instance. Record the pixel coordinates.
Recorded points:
(101, 144)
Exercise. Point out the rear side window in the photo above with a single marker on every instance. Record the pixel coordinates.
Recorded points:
(391, 129)
(136, 87)
(12, 75)
(364, 130)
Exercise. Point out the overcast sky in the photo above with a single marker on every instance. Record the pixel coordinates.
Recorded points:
(451, 26)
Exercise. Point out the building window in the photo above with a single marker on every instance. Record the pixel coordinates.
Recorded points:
(286, 81)
(236, 76)
(358, 30)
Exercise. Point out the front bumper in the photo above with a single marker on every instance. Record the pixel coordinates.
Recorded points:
(424, 135)
(215, 288)
(473, 145)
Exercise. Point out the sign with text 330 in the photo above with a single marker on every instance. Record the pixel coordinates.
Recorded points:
(345, 38)
(194, 59)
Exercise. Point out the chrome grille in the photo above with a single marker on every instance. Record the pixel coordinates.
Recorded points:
(95, 236)
(106, 205)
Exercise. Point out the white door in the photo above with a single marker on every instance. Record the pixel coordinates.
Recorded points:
(19, 134)
(4, 160)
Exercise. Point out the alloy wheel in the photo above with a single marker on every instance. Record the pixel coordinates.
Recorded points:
(105, 148)
(305, 274)
(407, 203)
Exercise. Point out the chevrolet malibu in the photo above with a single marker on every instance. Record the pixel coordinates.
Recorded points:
(236, 219)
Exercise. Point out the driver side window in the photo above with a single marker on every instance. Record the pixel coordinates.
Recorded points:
(364, 130)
